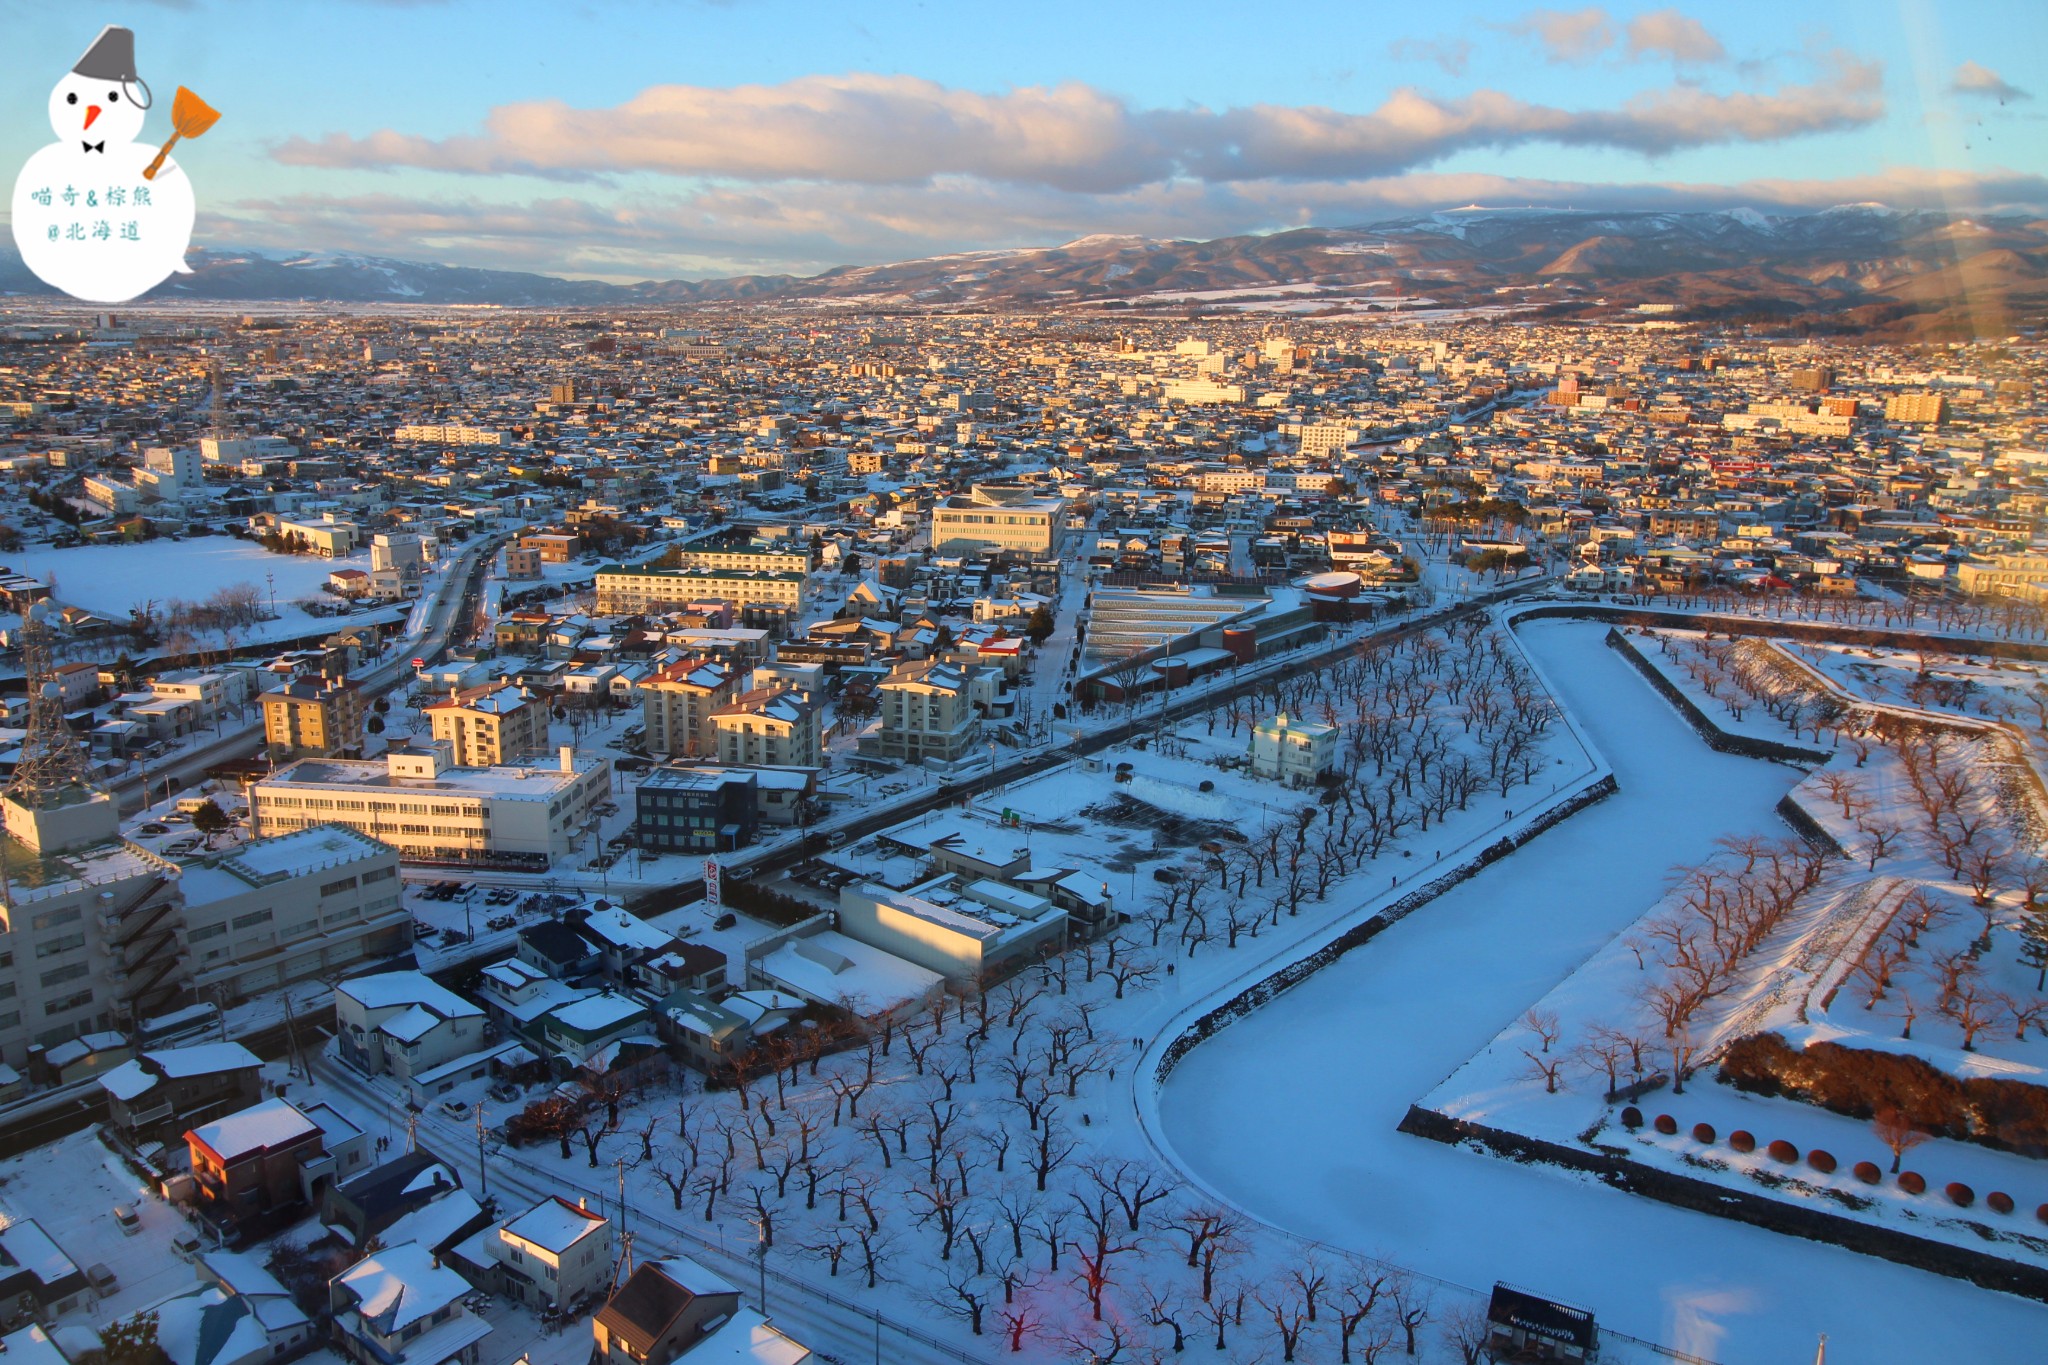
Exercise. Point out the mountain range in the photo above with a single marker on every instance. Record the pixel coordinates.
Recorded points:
(1857, 267)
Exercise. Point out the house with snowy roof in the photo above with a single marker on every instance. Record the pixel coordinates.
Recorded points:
(259, 1167)
(364, 1207)
(674, 1309)
(177, 1087)
(37, 1278)
(403, 1307)
(237, 1314)
(403, 1023)
(706, 1032)
(556, 1253)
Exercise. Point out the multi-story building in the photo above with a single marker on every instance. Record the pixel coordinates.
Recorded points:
(556, 547)
(997, 518)
(695, 810)
(429, 809)
(291, 908)
(449, 434)
(932, 711)
(747, 557)
(676, 702)
(92, 927)
(640, 589)
(769, 727)
(491, 724)
(313, 717)
(1925, 409)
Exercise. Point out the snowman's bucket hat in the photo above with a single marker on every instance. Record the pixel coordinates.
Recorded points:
(112, 58)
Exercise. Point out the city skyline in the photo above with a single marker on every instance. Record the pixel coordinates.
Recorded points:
(632, 141)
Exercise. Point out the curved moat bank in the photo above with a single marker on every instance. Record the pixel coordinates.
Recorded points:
(1291, 1113)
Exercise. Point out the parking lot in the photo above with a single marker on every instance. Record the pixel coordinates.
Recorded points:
(71, 1188)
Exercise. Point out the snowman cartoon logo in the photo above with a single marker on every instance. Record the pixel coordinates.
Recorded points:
(98, 214)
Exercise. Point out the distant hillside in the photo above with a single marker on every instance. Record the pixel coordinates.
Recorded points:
(1917, 273)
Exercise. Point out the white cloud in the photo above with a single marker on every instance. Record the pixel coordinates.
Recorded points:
(1984, 83)
(1570, 37)
(881, 130)
(1668, 33)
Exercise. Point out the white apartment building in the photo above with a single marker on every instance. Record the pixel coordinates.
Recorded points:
(290, 908)
(769, 728)
(624, 590)
(419, 802)
(993, 518)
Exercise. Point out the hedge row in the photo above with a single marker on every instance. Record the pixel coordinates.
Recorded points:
(2009, 1115)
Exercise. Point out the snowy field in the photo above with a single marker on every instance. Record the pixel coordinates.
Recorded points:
(1438, 987)
(111, 579)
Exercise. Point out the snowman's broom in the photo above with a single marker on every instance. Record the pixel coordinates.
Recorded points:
(190, 117)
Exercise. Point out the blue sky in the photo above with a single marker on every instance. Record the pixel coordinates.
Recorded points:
(638, 139)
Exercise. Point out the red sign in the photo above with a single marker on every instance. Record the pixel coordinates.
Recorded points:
(711, 881)
(419, 663)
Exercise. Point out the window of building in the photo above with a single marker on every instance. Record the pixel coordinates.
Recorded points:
(64, 1004)
(252, 919)
(57, 976)
(63, 943)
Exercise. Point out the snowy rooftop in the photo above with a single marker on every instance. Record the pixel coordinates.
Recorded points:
(261, 1127)
(747, 1338)
(388, 990)
(831, 967)
(401, 1285)
(554, 1225)
(301, 852)
(622, 930)
(518, 782)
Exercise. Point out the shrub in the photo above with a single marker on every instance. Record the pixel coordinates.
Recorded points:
(1912, 1182)
(1631, 1118)
(1666, 1124)
(1824, 1162)
(1998, 1201)
(1782, 1150)
(1959, 1194)
(2006, 1114)
(1867, 1172)
(1741, 1140)
(1703, 1132)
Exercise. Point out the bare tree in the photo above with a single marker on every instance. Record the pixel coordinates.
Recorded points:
(1896, 1132)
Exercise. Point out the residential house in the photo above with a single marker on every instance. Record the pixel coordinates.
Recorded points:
(555, 1254)
(180, 1086)
(403, 1307)
(403, 1023)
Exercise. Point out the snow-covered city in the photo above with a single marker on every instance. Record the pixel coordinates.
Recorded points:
(752, 764)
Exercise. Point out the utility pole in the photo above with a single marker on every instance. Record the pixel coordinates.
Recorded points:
(619, 1164)
(483, 1172)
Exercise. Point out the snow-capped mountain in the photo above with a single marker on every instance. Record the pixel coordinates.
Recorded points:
(1870, 264)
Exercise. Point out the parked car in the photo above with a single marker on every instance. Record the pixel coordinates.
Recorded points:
(455, 1109)
(501, 921)
(129, 1221)
(101, 1279)
(725, 921)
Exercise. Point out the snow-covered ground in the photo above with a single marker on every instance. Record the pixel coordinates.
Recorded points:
(1291, 1113)
(110, 580)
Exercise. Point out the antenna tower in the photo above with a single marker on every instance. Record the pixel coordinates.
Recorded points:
(52, 769)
